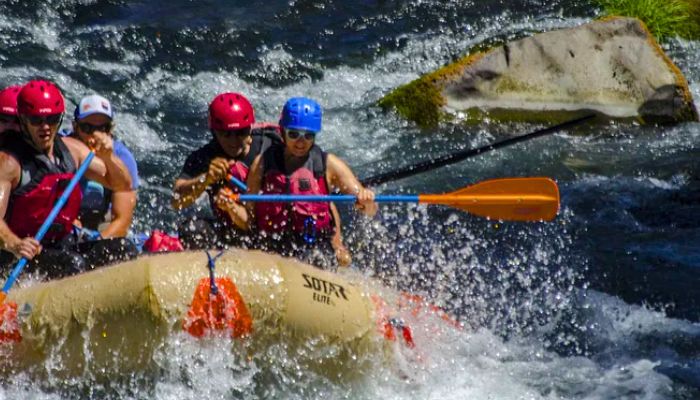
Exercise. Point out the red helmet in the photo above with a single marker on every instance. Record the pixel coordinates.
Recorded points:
(8, 99)
(40, 98)
(230, 111)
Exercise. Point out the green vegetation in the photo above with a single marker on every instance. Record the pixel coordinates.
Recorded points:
(420, 100)
(664, 18)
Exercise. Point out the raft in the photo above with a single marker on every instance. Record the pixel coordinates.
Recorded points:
(114, 319)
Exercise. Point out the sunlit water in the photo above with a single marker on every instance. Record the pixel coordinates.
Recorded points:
(550, 310)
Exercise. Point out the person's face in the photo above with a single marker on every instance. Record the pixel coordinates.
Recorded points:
(86, 127)
(298, 143)
(42, 129)
(8, 123)
(235, 142)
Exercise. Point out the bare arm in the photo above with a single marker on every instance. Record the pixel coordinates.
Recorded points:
(106, 168)
(341, 252)
(187, 191)
(123, 204)
(342, 177)
(254, 183)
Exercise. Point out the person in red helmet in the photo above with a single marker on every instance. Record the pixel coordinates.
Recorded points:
(34, 168)
(235, 141)
(8, 111)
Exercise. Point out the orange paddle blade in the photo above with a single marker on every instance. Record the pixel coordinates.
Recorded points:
(511, 199)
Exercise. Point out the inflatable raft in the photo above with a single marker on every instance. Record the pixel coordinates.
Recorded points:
(115, 319)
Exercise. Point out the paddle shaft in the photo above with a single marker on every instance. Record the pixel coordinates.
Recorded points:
(49, 220)
(336, 198)
(462, 155)
(447, 199)
(238, 183)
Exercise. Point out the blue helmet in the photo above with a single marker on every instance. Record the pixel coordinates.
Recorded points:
(301, 113)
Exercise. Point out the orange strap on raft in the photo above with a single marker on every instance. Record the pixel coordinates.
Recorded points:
(9, 325)
(217, 306)
(223, 311)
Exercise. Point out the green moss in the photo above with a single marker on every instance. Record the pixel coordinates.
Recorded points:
(418, 101)
(664, 18)
(421, 100)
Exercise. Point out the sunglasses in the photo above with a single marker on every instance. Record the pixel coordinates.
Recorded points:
(8, 119)
(52, 119)
(89, 129)
(294, 135)
(239, 133)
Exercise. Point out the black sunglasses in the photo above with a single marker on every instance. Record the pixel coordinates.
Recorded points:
(8, 119)
(294, 134)
(52, 119)
(239, 133)
(89, 129)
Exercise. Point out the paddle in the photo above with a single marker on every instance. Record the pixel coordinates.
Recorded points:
(462, 155)
(47, 223)
(512, 199)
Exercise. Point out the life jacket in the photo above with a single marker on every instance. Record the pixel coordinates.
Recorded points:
(95, 205)
(298, 218)
(264, 136)
(40, 186)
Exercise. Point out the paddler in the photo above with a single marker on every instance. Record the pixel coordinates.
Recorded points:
(104, 214)
(299, 166)
(34, 168)
(235, 141)
(9, 124)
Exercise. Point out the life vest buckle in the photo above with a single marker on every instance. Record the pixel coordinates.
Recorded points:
(309, 234)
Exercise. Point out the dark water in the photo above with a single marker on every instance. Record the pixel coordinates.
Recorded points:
(601, 303)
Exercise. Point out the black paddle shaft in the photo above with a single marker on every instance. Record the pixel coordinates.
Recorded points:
(462, 155)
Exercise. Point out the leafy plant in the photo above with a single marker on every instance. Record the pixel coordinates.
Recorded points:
(664, 18)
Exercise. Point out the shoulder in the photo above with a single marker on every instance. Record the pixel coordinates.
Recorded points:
(335, 164)
(7, 159)
(124, 154)
(72, 143)
(207, 152)
(9, 165)
(198, 161)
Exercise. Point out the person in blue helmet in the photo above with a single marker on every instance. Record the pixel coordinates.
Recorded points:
(299, 166)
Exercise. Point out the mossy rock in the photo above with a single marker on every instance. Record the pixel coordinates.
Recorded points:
(611, 66)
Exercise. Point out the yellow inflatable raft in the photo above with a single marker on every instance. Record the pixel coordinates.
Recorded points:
(113, 319)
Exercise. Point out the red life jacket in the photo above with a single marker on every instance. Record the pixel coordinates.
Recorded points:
(309, 179)
(41, 184)
(264, 135)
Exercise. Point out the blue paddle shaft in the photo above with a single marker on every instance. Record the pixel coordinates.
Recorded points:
(340, 198)
(49, 220)
(237, 182)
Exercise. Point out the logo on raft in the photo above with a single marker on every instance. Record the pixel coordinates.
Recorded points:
(324, 290)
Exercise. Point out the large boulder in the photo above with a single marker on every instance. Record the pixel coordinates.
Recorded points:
(612, 66)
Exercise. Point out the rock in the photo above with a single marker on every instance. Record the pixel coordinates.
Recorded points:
(612, 66)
